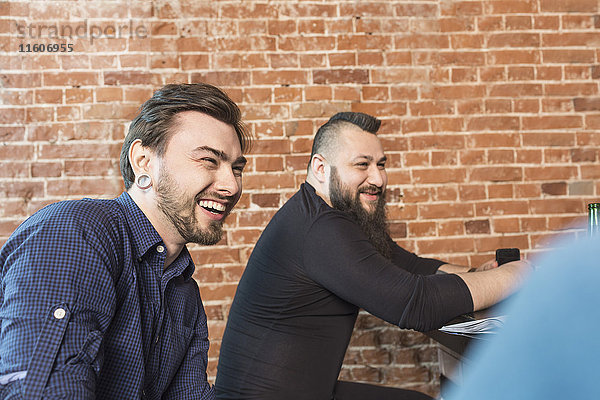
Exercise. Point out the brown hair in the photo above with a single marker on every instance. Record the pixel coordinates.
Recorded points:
(153, 125)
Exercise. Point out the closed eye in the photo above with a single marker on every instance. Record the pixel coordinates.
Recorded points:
(237, 171)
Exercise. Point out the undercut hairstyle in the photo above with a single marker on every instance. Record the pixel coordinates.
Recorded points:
(155, 123)
(327, 135)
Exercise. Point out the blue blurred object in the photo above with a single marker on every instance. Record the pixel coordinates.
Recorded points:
(549, 347)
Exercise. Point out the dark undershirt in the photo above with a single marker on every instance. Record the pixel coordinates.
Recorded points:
(294, 310)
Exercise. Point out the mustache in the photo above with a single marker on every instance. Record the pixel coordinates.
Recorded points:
(213, 195)
(370, 189)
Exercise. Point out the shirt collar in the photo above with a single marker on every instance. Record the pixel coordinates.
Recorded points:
(144, 235)
(146, 238)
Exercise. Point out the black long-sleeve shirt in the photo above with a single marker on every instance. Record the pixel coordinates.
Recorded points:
(295, 307)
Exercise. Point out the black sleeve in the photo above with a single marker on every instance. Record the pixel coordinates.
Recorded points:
(339, 257)
(413, 263)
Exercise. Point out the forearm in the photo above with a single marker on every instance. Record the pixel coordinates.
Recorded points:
(490, 286)
(453, 269)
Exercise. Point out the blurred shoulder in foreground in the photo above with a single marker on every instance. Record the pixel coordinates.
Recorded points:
(548, 348)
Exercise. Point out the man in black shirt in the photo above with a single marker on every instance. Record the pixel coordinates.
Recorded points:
(325, 254)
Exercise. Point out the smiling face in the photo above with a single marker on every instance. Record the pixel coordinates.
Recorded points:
(199, 177)
(358, 163)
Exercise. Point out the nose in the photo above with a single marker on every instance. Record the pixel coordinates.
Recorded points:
(227, 183)
(377, 177)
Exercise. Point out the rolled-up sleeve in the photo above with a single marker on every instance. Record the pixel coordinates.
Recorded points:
(340, 258)
(57, 301)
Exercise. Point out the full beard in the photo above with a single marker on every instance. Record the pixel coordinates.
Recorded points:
(374, 223)
(181, 212)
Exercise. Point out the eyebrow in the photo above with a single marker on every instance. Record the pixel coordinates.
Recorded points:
(222, 155)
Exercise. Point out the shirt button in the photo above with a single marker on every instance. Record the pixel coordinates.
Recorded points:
(160, 248)
(59, 313)
(156, 340)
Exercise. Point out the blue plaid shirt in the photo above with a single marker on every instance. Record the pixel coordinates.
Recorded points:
(88, 311)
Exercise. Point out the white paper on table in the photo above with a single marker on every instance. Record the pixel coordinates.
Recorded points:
(485, 325)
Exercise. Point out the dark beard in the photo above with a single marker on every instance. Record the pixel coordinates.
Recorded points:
(373, 224)
(180, 210)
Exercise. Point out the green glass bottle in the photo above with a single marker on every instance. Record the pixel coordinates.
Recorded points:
(594, 219)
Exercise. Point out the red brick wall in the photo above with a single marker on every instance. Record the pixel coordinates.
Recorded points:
(490, 110)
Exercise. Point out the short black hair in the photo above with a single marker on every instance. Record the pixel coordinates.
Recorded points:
(153, 126)
(327, 134)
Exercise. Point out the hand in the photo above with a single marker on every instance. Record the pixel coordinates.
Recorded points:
(522, 264)
(490, 264)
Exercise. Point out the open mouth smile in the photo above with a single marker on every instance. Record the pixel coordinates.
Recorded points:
(215, 209)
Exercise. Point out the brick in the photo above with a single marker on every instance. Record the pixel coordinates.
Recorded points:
(555, 188)
(277, 77)
(462, 57)
(48, 96)
(506, 225)
(46, 169)
(12, 134)
(511, 57)
(583, 155)
(581, 188)
(91, 168)
(306, 43)
(13, 116)
(546, 22)
(312, 110)
(519, 22)
(548, 139)
(516, 89)
(281, 27)
(422, 229)
(454, 245)
(451, 228)
(501, 156)
(555, 206)
(550, 173)
(440, 124)
(434, 107)
(496, 174)
(22, 189)
(461, 8)
(568, 56)
(493, 124)
(514, 40)
(568, 6)
(437, 141)
(387, 108)
(492, 243)
(126, 78)
(552, 122)
(283, 61)
(586, 104)
(20, 80)
(529, 156)
(340, 76)
(416, 10)
(105, 94)
(472, 157)
(500, 191)
(573, 89)
(312, 60)
(521, 73)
